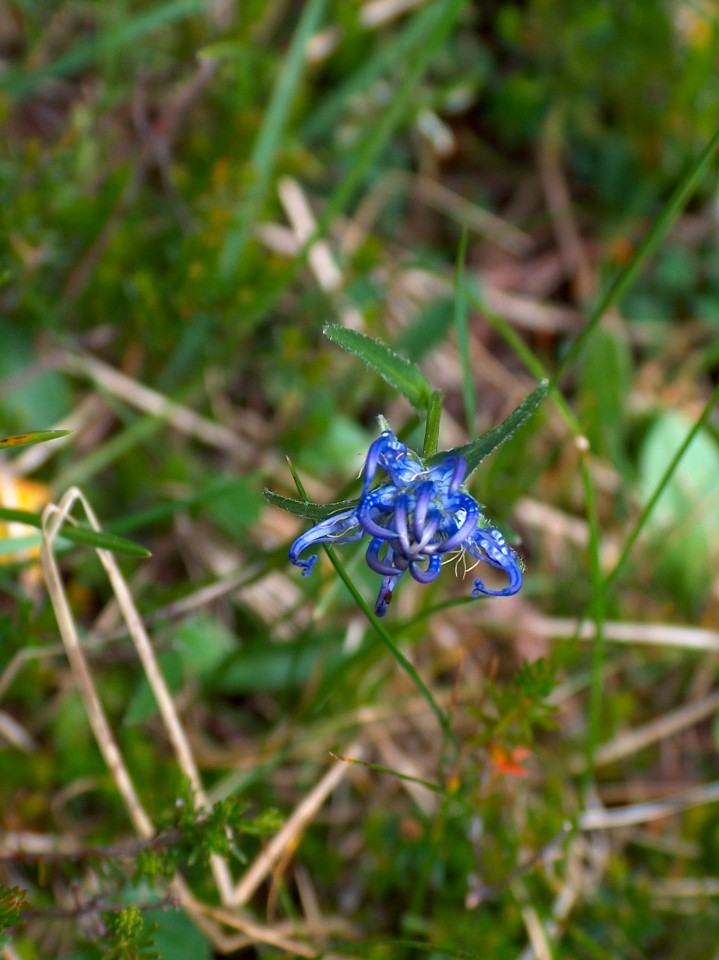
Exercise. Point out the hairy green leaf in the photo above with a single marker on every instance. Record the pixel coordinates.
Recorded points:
(476, 451)
(399, 372)
(303, 508)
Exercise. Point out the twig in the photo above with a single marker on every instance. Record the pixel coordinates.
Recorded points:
(559, 204)
(662, 727)
(12, 851)
(255, 933)
(150, 401)
(320, 257)
(52, 519)
(601, 819)
(660, 634)
(297, 822)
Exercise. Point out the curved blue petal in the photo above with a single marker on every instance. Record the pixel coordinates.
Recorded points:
(394, 457)
(429, 573)
(384, 597)
(423, 495)
(332, 530)
(490, 546)
(401, 523)
(465, 524)
(449, 473)
(384, 565)
(381, 500)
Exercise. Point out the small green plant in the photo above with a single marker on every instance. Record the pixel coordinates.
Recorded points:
(127, 937)
(13, 901)
(186, 839)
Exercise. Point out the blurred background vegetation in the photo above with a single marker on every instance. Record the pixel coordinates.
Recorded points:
(191, 190)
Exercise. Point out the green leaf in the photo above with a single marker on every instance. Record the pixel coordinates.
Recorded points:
(476, 451)
(271, 137)
(303, 508)
(79, 534)
(683, 526)
(175, 936)
(25, 439)
(259, 666)
(203, 643)
(399, 372)
(142, 705)
(604, 380)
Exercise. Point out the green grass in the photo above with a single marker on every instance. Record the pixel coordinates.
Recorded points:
(421, 785)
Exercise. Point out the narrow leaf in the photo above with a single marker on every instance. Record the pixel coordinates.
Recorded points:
(303, 508)
(19, 545)
(399, 372)
(24, 80)
(25, 439)
(475, 451)
(624, 280)
(271, 137)
(79, 534)
(461, 330)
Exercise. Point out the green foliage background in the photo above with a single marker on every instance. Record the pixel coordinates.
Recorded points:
(148, 153)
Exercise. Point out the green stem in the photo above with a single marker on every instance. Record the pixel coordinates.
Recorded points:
(626, 277)
(384, 636)
(431, 430)
(597, 613)
(666, 477)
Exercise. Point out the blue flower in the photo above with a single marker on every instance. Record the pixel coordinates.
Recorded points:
(415, 518)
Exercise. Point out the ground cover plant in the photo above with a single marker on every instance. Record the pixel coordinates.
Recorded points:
(411, 286)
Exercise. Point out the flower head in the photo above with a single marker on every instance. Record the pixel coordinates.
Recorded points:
(415, 518)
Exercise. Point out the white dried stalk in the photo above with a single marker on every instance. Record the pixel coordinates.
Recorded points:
(53, 518)
(154, 403)
(297, 822)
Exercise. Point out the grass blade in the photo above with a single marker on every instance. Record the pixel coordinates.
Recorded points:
(25, 439)
(661, 486)
(431, 431)
(627, 276)
(79, 534)
(437, 27)
(397, 50)
(267, 145)
(461, 332)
